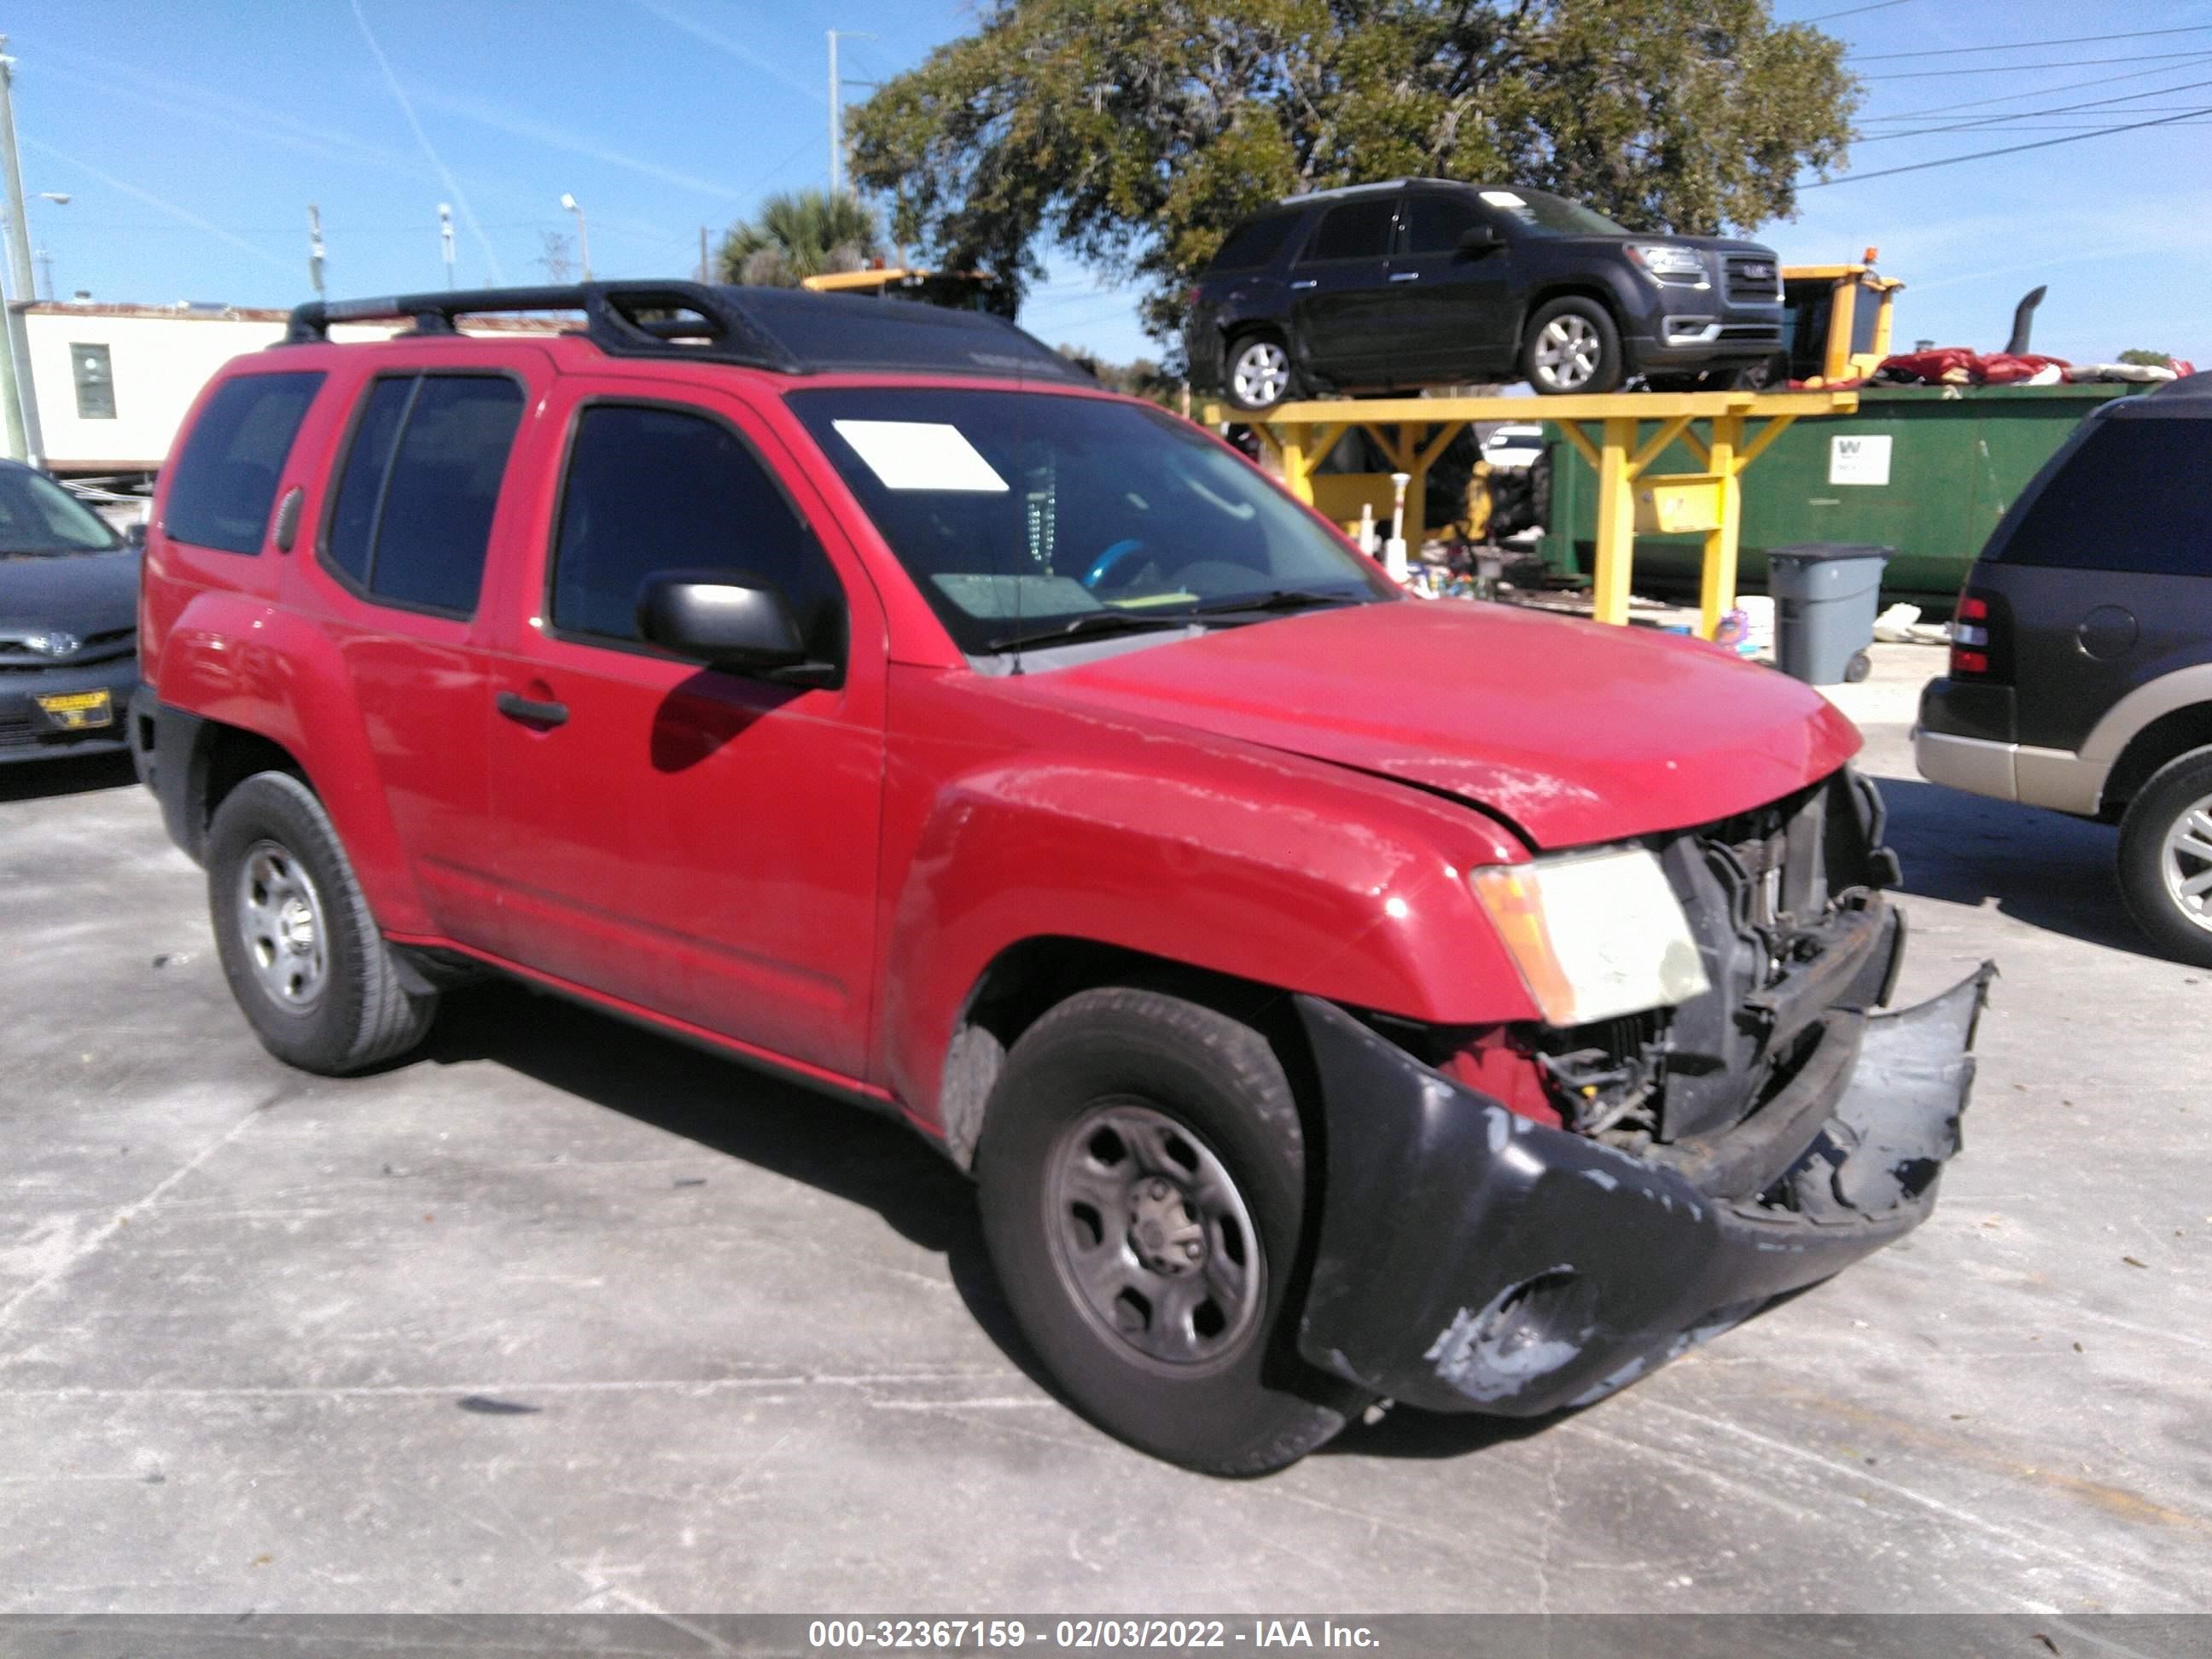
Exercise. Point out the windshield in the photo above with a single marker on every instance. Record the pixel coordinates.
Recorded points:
(1023, 514)
(37, 515)
(1544, 215)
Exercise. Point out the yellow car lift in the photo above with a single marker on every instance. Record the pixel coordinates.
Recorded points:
(1603, 428)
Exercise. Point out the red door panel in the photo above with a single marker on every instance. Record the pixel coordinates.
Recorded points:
(699, 844)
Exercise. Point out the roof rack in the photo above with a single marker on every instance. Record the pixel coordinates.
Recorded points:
(787, 331)
(624, 319)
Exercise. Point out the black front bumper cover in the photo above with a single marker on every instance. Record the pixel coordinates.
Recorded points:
(1473, 1259)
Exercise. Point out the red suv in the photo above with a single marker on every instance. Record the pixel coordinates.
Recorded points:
(1335, 996)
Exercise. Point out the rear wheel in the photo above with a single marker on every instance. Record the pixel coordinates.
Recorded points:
(2166, 858)
(1143, 1190)
(311, 973)
(1572, 345)
(1260, 371)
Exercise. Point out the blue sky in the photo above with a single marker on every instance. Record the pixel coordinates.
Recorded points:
(191, 139)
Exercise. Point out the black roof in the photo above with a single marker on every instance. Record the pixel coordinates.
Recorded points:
(788, 331)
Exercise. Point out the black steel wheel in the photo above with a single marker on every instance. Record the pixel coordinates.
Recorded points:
(1143, 1185)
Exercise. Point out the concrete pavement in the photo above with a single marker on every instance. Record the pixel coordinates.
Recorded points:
(562, 1316)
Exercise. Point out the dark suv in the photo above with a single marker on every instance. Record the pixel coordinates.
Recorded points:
(2081, 657)
(1421, 282)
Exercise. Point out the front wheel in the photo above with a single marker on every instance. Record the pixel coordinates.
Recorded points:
(1572, 345)
(2166, 858)
(305, 960)
(1144, 1195)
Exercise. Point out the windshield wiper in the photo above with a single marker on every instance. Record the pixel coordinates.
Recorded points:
(1089, 624)
(1281, 599)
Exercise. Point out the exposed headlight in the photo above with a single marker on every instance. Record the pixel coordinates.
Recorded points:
(1662, 259)
(1594, 934)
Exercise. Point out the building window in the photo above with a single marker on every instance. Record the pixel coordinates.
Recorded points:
(95, 382)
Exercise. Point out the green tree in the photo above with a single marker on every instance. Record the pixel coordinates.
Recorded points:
(797, 235)
(2147, 358)
(1136, 132)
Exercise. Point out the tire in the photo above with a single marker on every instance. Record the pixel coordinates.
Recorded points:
(1571, 346)
(1259, 373)
(310, 970)
(1112, 1095)
(2166, 848)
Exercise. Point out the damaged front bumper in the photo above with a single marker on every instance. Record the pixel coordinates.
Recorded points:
(1473, 1260)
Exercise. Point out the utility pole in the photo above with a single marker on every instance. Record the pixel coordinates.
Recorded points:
(24, 439)
(445, 238)
(703, 276)
(315, 248)
(837, 108)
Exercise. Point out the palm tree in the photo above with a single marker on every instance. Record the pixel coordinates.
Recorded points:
(802, 233)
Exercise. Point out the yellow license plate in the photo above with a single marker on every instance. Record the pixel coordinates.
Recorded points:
(75, 711)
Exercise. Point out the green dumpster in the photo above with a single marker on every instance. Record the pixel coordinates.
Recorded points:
(1926, 470)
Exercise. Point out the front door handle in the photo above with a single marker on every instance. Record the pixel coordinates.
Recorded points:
(1405, 276)
(1311, 281)
(530, 712)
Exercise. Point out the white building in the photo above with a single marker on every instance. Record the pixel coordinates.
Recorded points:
(114, 381)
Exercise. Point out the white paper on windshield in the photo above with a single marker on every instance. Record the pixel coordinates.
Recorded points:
(1503, 199)
(922, 455)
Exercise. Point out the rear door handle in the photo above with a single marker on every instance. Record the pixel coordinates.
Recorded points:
(1311, 281)
(1405, 276)
(530, 712)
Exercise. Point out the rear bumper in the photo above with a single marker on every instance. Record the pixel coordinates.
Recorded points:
(27, 733)
(1473, 1259)
(1963, 741)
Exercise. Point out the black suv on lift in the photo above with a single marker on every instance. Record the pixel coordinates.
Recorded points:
(1423, 282)
(2081, 653)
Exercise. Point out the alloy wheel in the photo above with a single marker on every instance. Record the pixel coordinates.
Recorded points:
(1567, 353)
(2186, 862)
(1151, 1236)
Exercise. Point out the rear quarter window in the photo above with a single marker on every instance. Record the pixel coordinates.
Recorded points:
(2131, 496)
(1255, 242)
(223, 481)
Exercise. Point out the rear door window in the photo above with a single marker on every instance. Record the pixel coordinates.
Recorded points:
(2130, 497)
(223, 482)
(1354, 230)
(412, 521)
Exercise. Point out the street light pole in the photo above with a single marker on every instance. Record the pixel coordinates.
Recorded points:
(583, 236)
(25, 442)
(445, 238)
(837, 108)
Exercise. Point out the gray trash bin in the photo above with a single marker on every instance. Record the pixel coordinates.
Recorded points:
(1825, 594)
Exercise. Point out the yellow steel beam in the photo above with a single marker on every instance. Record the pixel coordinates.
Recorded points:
(1775, 428)
(1667, 432)
(1616, 522)
(1573, 432)
(1717, 580)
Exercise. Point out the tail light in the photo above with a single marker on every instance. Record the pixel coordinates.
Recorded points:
(1981, 639)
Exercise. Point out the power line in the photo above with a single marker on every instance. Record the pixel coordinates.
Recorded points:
(2024, 46)
(2049, 110)
(2046, 92)
(2009, 149)
(2025, 69)
(1852, 12)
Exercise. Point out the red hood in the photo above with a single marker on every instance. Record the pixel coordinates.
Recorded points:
(1577, 733)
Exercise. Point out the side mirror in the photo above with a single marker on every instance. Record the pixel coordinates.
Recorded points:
(1478, 239)
(728, 622)
(134, 533)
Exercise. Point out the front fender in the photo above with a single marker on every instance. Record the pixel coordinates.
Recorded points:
(1269, 869)
(231, 659)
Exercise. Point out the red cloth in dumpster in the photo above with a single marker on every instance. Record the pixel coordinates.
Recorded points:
(1962, 366)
